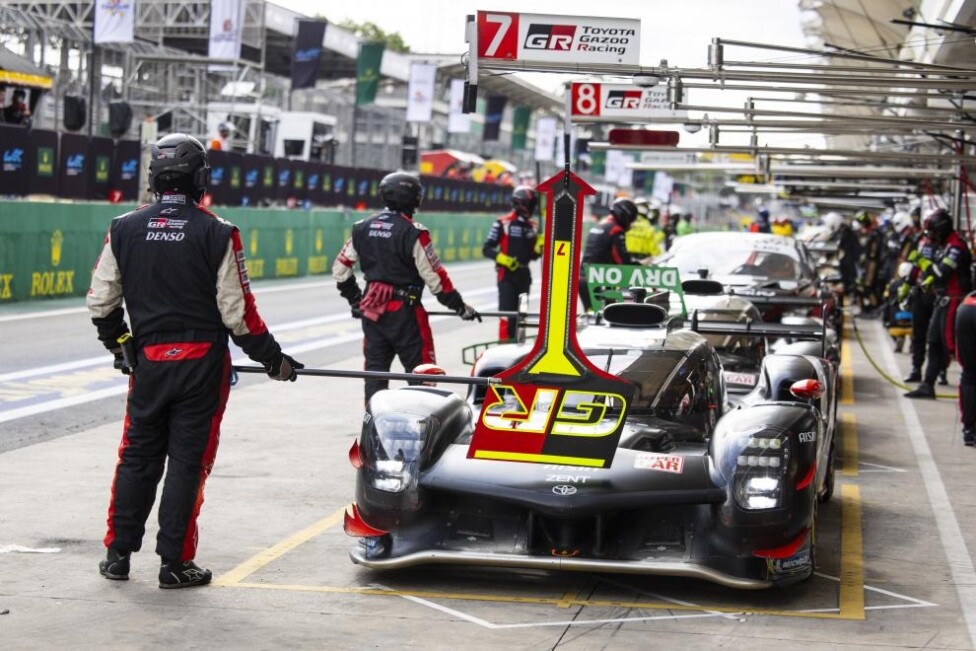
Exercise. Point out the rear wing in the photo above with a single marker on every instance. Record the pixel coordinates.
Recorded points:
(750, 328)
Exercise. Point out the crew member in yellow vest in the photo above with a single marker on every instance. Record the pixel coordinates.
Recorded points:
(643, 240)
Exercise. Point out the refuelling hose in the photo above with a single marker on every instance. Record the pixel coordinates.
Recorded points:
(891, 380)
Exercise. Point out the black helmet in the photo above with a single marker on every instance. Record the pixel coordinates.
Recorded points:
(624, 211)
(938, 225)
(524, 200)
(401, 191)
(179, 162)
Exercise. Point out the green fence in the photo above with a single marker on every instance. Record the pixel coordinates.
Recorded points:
(47, 249)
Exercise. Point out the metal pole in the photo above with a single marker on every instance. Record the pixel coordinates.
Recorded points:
(957, 195)
(91, 90)
(381, 375)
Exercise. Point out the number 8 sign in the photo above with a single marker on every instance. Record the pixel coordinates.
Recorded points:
(585, 99)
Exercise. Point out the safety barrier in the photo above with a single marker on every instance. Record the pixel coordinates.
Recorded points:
(47, 249)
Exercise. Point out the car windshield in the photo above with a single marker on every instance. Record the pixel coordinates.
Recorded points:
(734, 256)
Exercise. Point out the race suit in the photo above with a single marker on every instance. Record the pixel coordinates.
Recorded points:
(514, 236)
(397, 259)
(180, 270)
(951, 281)
(605, 244)
(965, 327)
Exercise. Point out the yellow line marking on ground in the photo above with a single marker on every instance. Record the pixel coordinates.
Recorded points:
(849, 427)
(568, 597)
(269, 555)
(846, 370)
(851, 554)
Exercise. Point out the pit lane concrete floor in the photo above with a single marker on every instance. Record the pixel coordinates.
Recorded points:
(894, 568)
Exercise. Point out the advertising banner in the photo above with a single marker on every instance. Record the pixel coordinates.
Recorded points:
(226, 27)
(14, 142)
(42, 162)
(457, 121)
(520, 126)
(494, 110)
(420, 92)
(126, 176)
(114, 21)
(368, 71)
(75, 166)
(100, 153)
(307, 54)
(620, 103)
(545, 138)
(543, 38)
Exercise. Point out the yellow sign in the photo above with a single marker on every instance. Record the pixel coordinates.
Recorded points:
(253, 241)
(319, 240)
(57, 241)
(289, 241)
(6, 291)
(52, 283)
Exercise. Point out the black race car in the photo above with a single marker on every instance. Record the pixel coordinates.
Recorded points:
(764, 268)
(696, 487)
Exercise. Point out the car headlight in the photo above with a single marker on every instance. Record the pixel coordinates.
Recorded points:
(760, 471)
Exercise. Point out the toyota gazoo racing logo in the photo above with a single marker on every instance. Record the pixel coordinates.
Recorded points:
(565, 490)
(582, 38)
(623, 99)
(550, 37)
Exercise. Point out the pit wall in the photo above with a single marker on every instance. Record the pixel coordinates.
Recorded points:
(47, 250)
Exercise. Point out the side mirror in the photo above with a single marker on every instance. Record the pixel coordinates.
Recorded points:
(808, 389)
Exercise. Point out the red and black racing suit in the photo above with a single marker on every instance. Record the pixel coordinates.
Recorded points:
(951, 270)
(515, 236)
(393, 249)
(180, 270)
(605, 244)
(965, 327)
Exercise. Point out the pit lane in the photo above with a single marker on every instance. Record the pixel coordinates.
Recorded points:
(271, 531)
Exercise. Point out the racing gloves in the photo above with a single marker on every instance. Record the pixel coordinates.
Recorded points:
(507, 261)
(282, 367)
(452, 300)
(468, 313)
(540, 246)
(119, 363)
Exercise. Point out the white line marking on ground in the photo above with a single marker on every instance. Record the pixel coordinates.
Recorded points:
(879, 468)
(73, 401)
(678, 602)
(953, 543)
(257, 289)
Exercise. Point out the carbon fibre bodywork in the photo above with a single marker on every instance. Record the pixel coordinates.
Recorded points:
(697, 487)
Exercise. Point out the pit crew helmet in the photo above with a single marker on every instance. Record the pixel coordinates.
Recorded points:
(402, 192)
(179, 162)
(524, 201)
(624, 212)
(938, 225)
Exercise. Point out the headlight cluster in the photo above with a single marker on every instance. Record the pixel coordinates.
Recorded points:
(399, 440)
(391, 475)
(760, 472)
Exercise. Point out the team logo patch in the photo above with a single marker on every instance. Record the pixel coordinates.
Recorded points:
(661, 462)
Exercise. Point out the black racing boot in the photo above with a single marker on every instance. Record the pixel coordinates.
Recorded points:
(915, 375)
(969, 437)
(115, 566)
(924, 390)
(943, 378)
(182, 574)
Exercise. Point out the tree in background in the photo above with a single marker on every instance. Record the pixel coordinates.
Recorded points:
(370, 31)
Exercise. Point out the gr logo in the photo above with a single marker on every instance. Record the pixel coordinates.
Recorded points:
(550, 37)
(624, 99)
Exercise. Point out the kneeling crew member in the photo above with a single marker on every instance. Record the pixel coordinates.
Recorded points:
(512, 244)
(181, 272)
(397, 258)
